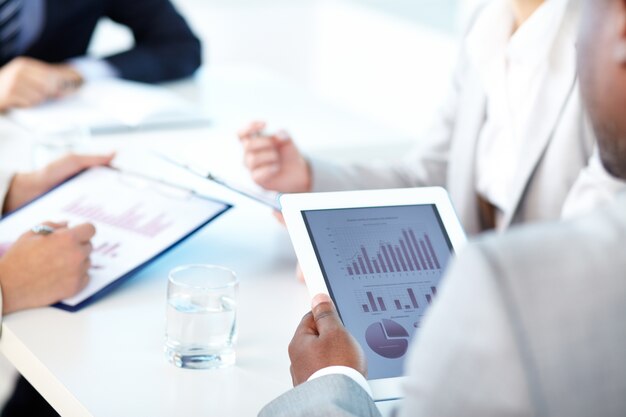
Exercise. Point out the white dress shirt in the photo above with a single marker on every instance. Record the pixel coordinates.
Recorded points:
(594, 188)
(512, 65)
(344, 370)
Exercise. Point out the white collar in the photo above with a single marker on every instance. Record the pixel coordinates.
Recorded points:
(490, 38)
(532, 43)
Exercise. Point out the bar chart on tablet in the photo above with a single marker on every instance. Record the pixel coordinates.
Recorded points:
(407, 253)
(400, 298)
(383, 250)
(382, 266)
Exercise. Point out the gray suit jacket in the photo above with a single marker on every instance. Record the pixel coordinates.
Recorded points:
(561, 146)
(531, 323)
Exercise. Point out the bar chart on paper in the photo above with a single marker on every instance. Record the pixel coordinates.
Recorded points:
(135, 219)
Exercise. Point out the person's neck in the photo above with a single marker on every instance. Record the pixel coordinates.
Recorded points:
(523, 9)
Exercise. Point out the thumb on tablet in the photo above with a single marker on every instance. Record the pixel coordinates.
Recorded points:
(325, 314)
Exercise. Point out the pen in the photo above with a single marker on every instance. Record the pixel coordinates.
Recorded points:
(267, 200)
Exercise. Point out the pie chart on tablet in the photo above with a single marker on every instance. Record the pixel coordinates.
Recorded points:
(387, 338)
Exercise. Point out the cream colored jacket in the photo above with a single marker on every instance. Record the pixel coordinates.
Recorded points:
(447, 155)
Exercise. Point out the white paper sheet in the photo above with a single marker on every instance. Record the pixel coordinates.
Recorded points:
(135, 218)
(107, 105)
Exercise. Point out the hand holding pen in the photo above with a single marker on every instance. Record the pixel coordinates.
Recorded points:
(274, 161)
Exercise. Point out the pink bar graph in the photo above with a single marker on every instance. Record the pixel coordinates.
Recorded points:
(133, 219)
(107, 249)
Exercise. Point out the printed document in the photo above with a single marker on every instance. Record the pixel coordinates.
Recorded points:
(136, 219)
(110, 105)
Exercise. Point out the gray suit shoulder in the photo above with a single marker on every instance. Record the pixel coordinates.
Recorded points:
(564, 291)
(331, 395)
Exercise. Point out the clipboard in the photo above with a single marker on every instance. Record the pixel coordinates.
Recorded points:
(143, 223)
(268, 198)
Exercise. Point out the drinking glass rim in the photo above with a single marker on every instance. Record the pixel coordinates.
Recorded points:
(173, 280)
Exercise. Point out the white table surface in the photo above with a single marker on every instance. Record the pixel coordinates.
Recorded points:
(107, 360)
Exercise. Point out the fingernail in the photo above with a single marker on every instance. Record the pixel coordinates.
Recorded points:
(282, 135)
(320, 298)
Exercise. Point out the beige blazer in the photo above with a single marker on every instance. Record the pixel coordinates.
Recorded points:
(446, 156)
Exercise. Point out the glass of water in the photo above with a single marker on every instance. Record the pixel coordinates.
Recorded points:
(201, 317)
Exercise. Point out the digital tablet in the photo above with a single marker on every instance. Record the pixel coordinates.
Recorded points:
(380, 256)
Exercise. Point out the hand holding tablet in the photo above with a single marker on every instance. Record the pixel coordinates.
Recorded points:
(380, 256)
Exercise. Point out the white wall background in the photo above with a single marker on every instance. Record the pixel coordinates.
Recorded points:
(388, 60)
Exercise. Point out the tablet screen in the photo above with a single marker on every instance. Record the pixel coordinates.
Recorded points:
(382, 266)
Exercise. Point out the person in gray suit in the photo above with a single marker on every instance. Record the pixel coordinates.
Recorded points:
(530, 323)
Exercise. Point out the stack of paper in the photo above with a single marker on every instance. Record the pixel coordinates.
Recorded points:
(107, 106)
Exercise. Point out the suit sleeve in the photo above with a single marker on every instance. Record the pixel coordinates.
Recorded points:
(465, 359)
(332, 395)
(165, 47)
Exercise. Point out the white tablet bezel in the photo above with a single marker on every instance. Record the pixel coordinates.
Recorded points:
(294, 204)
